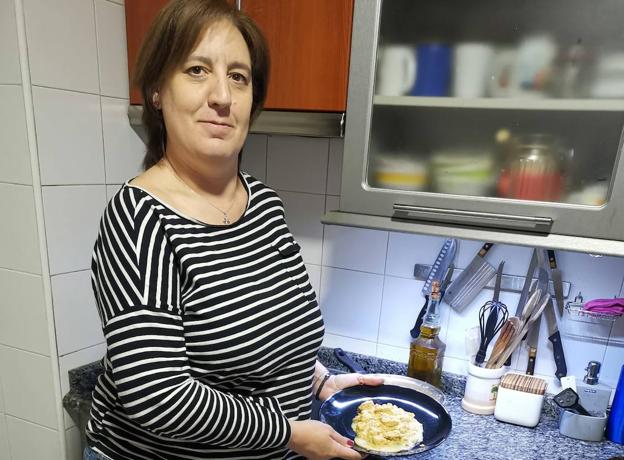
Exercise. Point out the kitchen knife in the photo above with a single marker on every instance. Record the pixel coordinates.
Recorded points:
(447, 280)
(524, 295)
(532, 338)
(555, 274)
(441, 264)
(438, 269)
(470, 281)
(347, 361)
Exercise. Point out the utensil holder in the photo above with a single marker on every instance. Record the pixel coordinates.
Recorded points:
(481, 389)
(583, 427)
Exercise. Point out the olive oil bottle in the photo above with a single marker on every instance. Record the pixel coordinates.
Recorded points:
(427, 350)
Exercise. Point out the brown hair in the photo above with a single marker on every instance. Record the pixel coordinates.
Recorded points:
(170, 39)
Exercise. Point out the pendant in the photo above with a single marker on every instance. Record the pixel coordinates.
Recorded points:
(226, 221)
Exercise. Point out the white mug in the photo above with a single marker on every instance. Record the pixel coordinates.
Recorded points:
(396, 70)
(472, 63)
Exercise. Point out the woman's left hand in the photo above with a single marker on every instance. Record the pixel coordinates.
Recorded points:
(339, 382)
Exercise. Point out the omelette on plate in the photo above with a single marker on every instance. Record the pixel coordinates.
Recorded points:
(386, 428)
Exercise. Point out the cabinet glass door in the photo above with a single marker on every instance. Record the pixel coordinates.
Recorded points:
(499, 99)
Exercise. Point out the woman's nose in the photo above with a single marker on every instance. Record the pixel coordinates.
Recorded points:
(219, 93)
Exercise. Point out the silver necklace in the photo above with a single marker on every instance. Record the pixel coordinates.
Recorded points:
(226, 219)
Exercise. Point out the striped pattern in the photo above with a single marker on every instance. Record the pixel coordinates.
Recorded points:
(212, 331)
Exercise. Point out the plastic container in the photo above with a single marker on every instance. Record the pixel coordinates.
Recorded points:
(520, 407)
(582, 427)
(481, 389)
(615, 424)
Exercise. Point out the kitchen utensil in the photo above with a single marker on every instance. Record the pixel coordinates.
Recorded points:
(555, 274)
(339, 410)
(492, 316)
(469, 283)
(507, 333)
(569, 399)
(532, 311)
(439, 268)
(532, 338)
(583, 427)
(555, 339)
(524, 294)
(347, 361)
(481, 389)
(447, 281)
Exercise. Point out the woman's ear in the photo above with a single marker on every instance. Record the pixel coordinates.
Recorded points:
(156, 100)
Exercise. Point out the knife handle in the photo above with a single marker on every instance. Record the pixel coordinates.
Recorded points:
(531, 365)
(347, 361)
(562, 369)
(415, 332)
(484, 250)
(551, 259)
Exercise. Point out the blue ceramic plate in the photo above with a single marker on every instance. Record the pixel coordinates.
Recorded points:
(339, 410)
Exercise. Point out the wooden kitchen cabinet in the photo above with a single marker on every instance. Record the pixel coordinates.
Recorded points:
(310, 43)
(309, 40)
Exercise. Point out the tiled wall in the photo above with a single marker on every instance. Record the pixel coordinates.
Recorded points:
(68, 111)
(364, 278)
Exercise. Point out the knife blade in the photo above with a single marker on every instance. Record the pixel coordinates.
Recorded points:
(447, 280)
(532, 338)
(553, 329)
(524, 295)
(441, 264)
(443, 261)
(555, 274)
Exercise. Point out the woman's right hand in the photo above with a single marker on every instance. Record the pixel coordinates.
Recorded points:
(318, 441)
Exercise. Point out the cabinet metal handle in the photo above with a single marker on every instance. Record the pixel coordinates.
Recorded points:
(475, 218)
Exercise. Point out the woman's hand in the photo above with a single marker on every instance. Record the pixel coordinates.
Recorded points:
(339, 382)
(318, 441)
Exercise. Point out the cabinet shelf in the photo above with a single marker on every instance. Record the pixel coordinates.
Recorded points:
(583, 105)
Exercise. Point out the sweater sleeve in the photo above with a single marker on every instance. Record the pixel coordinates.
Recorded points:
(136, 284)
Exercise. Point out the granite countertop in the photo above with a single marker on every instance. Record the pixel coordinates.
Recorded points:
(472, 436)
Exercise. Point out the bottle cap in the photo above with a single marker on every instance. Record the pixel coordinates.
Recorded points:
(593, 369)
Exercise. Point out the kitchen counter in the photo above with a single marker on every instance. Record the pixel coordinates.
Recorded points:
(472, 436)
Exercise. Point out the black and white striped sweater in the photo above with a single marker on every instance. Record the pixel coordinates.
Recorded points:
(212, 331)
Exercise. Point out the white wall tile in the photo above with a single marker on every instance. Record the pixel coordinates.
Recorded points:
(61, 44)
(72, 215)
(23, 323)
(123, 148)
(351, 302)
(363, 347)
(75, 313)
(73, 444)
(9, 52)
(110, 21)
(30, 441)
(314, 273)
(401, 304)
(405, 250)
(4, 439)
(332, 203)
(27, 387)
(334, 167)
(595, 277)
(303, 216)
(254, 155)
(297, 164)
(19, 241)
(398, 354)
(69, 132)
(455, 365)
(111, 190)
(15, 157)
(355, 248)
(614, 355)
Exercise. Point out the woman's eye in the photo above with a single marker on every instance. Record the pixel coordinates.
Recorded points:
(195, 70)
(239, 77)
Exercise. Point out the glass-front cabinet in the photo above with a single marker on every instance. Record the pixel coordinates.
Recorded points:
(498, 114)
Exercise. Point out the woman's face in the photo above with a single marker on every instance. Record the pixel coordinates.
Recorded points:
(206, 103)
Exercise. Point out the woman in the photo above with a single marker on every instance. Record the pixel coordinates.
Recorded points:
(211, 324)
